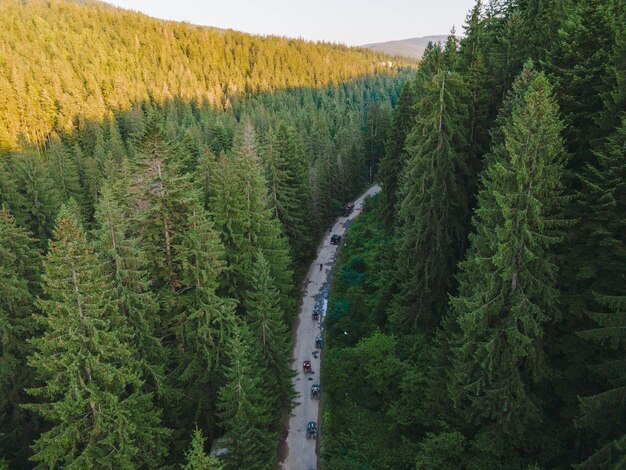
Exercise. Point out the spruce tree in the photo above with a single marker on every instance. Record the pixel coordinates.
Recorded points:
(288, 193)
(392, 163)
(63, 170)
(243, 409)
(604, 413)
(40, 198)
(433, 205)
(196, 458)
(126, 265)
(244, 219)
(507, 282)
(203, 322)
(267, 323)
(164, 198)
(91, 390)
(599, 287)
(578, 65)
(20, 262)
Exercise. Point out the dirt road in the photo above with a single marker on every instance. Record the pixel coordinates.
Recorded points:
(302, 452)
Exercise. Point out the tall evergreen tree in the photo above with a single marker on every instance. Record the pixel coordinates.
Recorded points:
(91, 388)
(433, 206)
(20, 262)
(126, 265)
(63, 171)
(196, 458)
(164, 198)
(605, 412)
(288, 193)
(395, 154)
(244, 219)
(39, 196)
(578, 65)
(507, 282)
(244, 412)
(267, 323)
(599, 287)
(204, 321)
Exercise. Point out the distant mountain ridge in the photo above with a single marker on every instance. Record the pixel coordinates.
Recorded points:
(411, 47)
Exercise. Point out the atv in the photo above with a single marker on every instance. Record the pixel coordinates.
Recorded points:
(311, 430)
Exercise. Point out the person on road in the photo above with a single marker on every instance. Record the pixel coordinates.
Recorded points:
(321, 266)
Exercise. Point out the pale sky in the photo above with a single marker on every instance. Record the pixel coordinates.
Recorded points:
(352, 22)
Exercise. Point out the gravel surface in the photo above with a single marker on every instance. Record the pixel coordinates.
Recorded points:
(301, 453)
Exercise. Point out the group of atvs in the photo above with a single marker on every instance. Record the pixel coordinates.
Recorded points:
(311, 430)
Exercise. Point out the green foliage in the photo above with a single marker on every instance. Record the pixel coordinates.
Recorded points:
(507, 282)
(126, 265)
(20, 262)
(90, 388)
(203, 323)
(243, 408)
(52, 77)
(245, 221)
(395, 154)
(288, 194)
(433, 203)
(197, 458)
(267, 323)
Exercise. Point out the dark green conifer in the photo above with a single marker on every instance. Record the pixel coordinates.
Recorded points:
(245, 222)
(395, 153)
(433, 205)
(196, 458)
(91, 390)
(267, 323)
(204, 320)
(243, 409)
(20, 264)
(508, 280)
(126, 265)
(288, 193)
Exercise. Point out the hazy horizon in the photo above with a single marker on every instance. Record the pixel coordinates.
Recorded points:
(351, 22)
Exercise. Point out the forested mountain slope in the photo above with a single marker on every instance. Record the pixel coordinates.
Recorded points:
(411, 47)
(61, 61)
(161, 185)
(478, 315)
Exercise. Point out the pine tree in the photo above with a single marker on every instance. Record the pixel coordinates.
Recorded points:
(10, 198)
(196, 458)
(599, 287)
(267, 323)
(473, 69)
(433, 206)
(91, 385)
(203, 175)
(19, 283)
(243, 408)
(507, 282)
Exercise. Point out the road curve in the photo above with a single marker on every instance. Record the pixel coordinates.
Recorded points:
(301, 453)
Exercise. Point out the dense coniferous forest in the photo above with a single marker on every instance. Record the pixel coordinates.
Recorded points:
(478, 314)
(162, 187)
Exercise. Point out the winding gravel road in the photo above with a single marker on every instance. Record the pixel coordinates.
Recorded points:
(301, 453)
